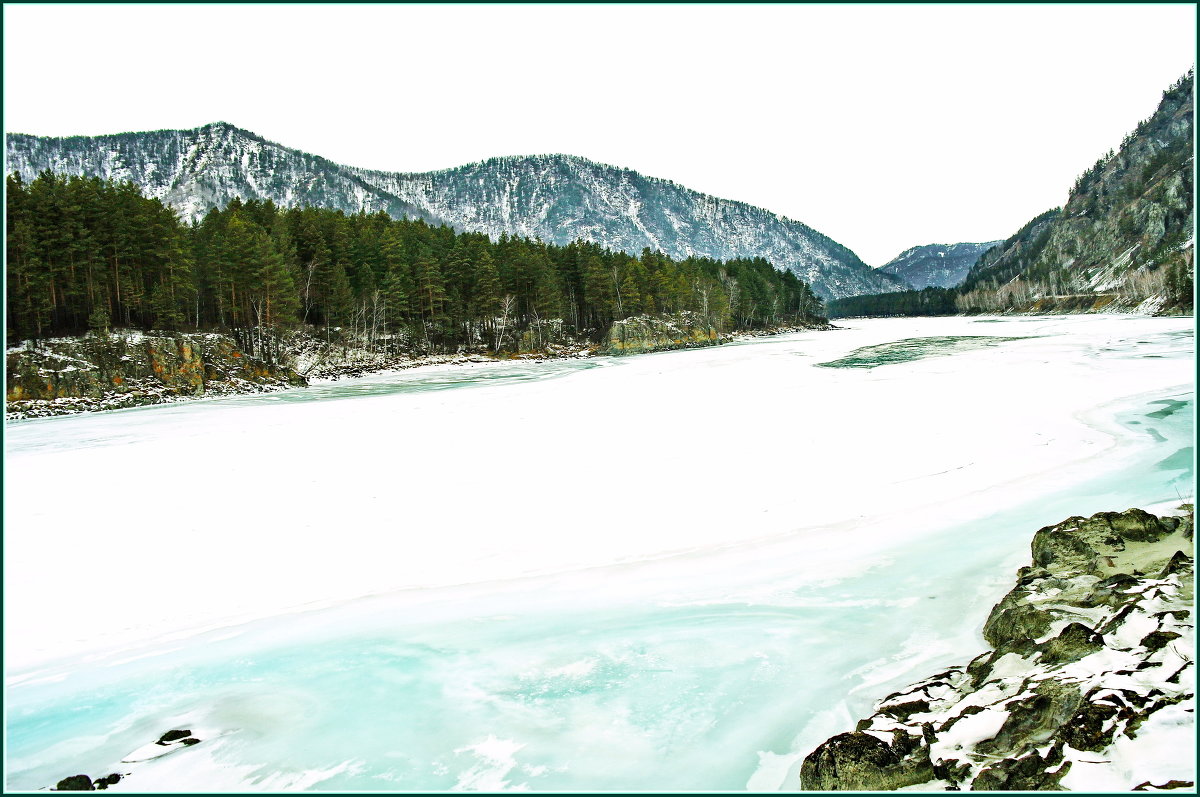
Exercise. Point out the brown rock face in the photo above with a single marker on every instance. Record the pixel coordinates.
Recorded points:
(125, 369)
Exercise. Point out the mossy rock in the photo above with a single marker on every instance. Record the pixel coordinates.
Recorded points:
(1073, 643)
(1180, 563)
(1021, 774)
(1137, 525)
(1013, 621)
(861, 762)
(1092, 728)
(1060, 549)
(1036, 719)
(75, 783)
(1157, 640)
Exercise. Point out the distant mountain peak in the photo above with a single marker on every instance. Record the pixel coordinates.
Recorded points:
(936, 265)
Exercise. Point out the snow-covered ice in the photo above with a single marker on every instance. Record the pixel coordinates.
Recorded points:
(643, 560)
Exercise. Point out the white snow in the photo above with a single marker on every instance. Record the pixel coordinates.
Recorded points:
(1156, 755)
(966, 733)
(287, 504)
(496, 761)
(167, 773)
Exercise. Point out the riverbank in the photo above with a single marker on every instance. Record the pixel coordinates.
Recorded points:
(69, 376)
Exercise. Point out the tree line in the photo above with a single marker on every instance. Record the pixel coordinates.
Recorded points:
(928, 301)
(90, 254)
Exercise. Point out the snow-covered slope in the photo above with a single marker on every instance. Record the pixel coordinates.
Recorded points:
(558, 198)
(937, 265)
(195, 170)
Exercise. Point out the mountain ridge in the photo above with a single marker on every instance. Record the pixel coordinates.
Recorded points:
(1125, 233)
(557, 197)
(936, 265)
(1123, 242)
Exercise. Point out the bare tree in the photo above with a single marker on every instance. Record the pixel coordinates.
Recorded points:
(507, 305)
(310, 270)
(617, 290)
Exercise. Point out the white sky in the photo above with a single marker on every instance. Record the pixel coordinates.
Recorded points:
(881, 126)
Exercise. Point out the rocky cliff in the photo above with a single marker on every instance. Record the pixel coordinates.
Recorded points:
(1124, 236)
(63, 375)
(1090, 683)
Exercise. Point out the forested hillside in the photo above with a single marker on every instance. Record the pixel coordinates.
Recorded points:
(1124, 239)
(1124, 235)
(555, 198)
(87, 253)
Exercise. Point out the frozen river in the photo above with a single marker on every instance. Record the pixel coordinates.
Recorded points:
(673, 571)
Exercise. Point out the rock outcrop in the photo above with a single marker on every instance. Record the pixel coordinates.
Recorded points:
(656, 333)
(75, 783)
(1091, 649)
(63, 375)
(84, 783)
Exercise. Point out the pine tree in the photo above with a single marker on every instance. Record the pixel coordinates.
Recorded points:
(599, 299)
(431, 289)
(398, 288)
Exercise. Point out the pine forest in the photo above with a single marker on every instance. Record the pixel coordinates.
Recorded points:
(88, 254)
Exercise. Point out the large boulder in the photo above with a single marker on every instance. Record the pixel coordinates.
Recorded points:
(654, 333)
(862, 762)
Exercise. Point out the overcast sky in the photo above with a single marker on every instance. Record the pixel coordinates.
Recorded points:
(881, 126)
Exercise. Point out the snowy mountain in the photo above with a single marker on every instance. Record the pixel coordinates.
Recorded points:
(194, 170)
(558, 198)
(939, 265)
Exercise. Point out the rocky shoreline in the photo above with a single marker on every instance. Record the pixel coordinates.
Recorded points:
(68, 376)
(61, 376)
(1091, 672)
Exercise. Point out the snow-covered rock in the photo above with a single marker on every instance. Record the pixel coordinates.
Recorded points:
(1090, 685)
